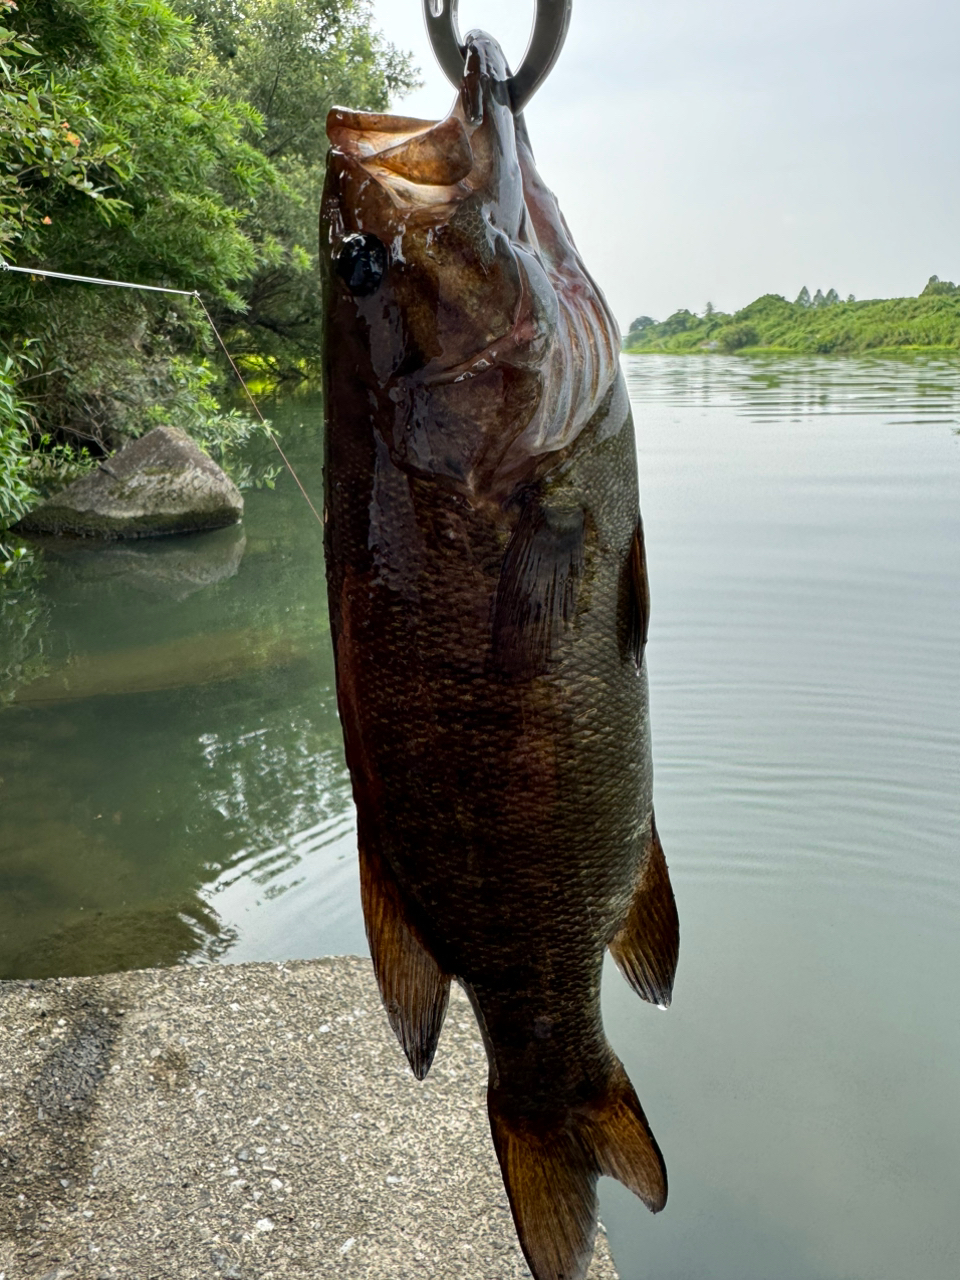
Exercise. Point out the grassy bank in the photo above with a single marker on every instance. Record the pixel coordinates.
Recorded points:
(827, 326)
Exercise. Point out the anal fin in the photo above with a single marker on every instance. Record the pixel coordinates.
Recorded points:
(413, 987)
(647, 946)
(550, 1170)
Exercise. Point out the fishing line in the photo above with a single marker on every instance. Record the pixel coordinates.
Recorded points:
(182, 293)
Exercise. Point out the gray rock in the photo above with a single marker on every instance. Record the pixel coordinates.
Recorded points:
(162, 483)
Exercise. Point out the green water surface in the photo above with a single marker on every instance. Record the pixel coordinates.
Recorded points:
(172, 787)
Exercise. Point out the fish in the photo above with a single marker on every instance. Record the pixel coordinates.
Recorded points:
(489, 605)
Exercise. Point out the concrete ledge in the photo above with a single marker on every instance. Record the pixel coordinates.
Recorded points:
(242, 1122)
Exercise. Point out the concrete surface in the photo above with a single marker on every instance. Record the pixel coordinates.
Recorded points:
(245, 1122)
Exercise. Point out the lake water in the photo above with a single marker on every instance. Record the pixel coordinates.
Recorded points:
(172, 787)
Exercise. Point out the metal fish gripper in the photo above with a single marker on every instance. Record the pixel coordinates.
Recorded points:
(550, 26)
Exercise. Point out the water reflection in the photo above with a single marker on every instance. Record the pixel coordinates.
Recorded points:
(169, 736)
(803, 532)
(116, 808)
(776, 388)
(173, 567)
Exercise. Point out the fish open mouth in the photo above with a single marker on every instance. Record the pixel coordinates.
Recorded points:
(455, 261)
(445, 199)
(404, 153)
(426, 165)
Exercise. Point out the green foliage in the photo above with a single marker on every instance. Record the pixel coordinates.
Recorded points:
(829, 326)
(193, 406)
(15, 488)
(24, 624)
(133, 172)
(641, 323)
(177, 143)
(290, 61)
(39, 148)
(937, 288)
(681, 321)
(733, 337)
(171, 153)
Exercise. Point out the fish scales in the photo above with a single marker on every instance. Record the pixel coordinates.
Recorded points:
(488, 598)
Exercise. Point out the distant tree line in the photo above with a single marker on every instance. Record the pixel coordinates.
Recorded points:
(168, 142)
(821, 324)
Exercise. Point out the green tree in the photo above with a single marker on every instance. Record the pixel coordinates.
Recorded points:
(641, 323)
(154, 196)
(803, 298)
(15, 488)
(679, 322)
(735, 336)
(771, 322)
(181, 149)
(937, 288)
(39, 148)
(291, 61)
(170, 153)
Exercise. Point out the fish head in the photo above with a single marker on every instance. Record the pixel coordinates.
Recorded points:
(441, 297)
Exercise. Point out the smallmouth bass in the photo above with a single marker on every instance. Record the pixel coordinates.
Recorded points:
(489, 605)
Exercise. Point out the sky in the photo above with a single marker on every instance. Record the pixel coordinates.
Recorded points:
(716, 150)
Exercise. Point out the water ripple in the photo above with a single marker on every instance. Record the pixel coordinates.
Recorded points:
(770, 388)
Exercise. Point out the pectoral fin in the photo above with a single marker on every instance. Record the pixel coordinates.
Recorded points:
(413, 987)
(648, 945)
(537, 591)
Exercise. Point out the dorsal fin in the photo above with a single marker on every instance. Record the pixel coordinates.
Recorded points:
(637, 591)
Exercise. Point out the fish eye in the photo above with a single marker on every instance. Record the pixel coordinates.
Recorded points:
(361, 263)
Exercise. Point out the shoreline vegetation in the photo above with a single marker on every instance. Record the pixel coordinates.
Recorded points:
(821, 325)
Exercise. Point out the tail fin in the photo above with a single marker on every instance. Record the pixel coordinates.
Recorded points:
(550, 1171)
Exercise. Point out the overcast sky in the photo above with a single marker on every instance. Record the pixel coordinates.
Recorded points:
(720, 149)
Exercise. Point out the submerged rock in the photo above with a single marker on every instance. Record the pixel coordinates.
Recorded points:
(162, 483)
(177, 663)
(174, 566)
